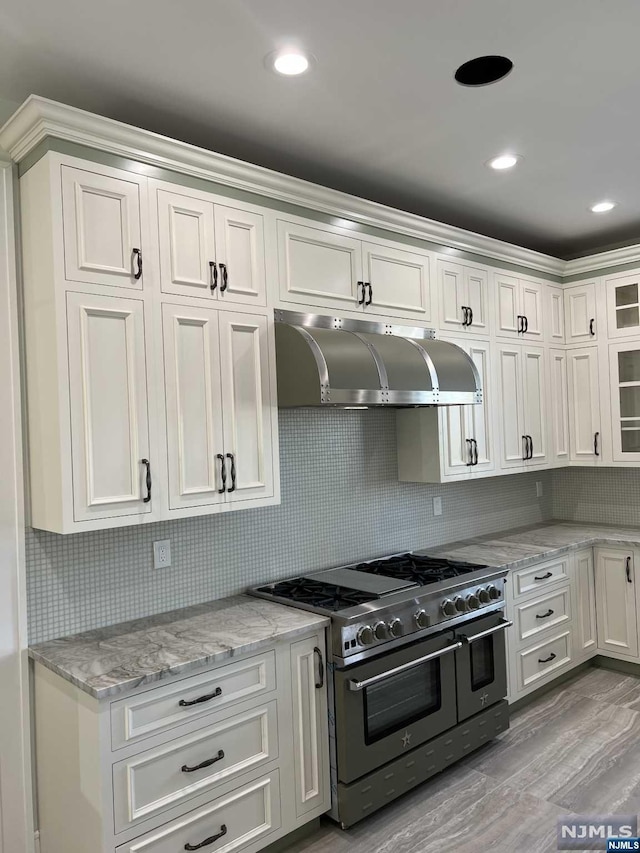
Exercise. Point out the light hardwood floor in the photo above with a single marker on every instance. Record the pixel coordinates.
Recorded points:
(574, 750)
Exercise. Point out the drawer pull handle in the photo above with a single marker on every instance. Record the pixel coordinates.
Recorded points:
(185, 703)
(320, 681)
(186, 769)
(544, 615)
(207, 841)
(137, 257)
(551, 657)
(543, 577)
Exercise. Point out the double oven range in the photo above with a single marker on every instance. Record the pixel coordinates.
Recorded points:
(417, 670)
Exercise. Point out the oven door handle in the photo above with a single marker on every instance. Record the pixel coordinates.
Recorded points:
(360, 685)
(488, 632)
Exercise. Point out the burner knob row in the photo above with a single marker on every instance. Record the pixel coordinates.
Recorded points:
(472, 601)
(380, 631)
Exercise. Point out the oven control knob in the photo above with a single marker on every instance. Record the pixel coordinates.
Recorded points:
(483, 596)
(395, 628)
(421, 618)
(448, 607)
(460, 604)
(365, 636)
(472, 602)
(494, 592)
(380, 631)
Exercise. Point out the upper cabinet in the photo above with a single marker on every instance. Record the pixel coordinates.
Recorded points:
(622, 293)
(555, 315)
(329, 267)
(463, 293)
(581, 321)
(519, 307)
(624, 366)
(208, 249)
(584, 406)
(522, 403)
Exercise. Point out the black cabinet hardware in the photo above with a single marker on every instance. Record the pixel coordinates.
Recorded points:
(551, 657)
(466, 313)
(186, 703)
(223, 473)
(147, 480)
(137, 257)
(207, 841)
(591, 322)
(596, 449)
(525, 324)
(232, 459)
(520, 323)
(627, 568)
(320, 681)
(186, 769)
(225, 277)
(543, 577)
(370, 299)
(470, 443)
(475, 451)
(362, 297)
(470, 323)
(530, 447)
(213, 275)
(544, 615)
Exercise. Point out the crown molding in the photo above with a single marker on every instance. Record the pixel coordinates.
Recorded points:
(39, 118)
(602, 260)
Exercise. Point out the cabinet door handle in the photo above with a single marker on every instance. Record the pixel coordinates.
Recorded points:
(470, 323)
(627, 568)
(186, 769)
(596, 449)
(526, 447)
(465, 315)
(320, 681)
(525, 324)
(186, 703)
(137, 258)
(370, 299)
(551, 657)
(225, 277)
(223, 473)
(213, 275)
(475, 451)
(544, 615)
(147, 480)
(362, 297)
(520, 323)
(530, 447)
(591, 322)
(232, 459)
(543, 577)
(208, 841)
(470, 443)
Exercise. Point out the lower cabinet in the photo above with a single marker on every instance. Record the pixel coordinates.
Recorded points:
(616, 605)
(585, 632)
(235, 755)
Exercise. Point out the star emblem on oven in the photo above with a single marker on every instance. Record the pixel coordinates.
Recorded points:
(484, 699)
(406, 739)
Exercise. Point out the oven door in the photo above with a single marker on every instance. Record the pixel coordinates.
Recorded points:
(389, 704)
(481, 664)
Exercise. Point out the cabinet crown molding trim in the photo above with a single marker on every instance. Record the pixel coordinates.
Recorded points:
(602, 260)
(39, 118)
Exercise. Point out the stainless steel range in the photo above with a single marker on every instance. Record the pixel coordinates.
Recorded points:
(417, 670)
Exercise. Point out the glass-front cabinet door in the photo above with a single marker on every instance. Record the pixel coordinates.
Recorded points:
(624, 366)
(623, 305)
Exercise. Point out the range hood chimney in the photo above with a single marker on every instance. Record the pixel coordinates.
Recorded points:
(333, 362)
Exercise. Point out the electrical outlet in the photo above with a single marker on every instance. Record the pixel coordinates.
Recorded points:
(162, 554)
(437, 506)
(538, 488)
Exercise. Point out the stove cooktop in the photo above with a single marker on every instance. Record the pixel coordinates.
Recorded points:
(328, 596)
(418, 568)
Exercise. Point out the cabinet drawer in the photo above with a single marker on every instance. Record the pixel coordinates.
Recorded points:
(536, 663)
(540, 576)
(533, 617)
(147, 714)
(239, 820)
(162, 777)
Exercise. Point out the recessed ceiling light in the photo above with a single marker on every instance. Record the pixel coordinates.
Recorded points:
(602, 206)
(504, 161)
(289, 62)
(483, 70)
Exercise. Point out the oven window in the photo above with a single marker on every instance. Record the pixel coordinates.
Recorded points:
(482, 663)
(401, 699)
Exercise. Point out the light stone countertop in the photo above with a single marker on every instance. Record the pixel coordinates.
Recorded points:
(119, 658)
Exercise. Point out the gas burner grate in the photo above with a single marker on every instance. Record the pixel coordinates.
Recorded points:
(421, 569)
(318, 594)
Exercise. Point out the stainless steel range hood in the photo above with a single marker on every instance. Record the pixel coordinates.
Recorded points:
(329, 361)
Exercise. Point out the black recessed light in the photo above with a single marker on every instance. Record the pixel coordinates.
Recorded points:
(483, 70)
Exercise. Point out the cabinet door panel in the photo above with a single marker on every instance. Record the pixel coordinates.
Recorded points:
(531, 302)
(240, 245)
(479, 416)
(452, 295)
(511, 406)
(187, 246)
(584, 403)
(318, 267)
(508, 301)
(399, 282)
(559, 405)
(101, 216)
(615, 602)
(624, 366)
(555, 304)
(108, 398)
(580, 307)
(194, 405)
(246, 403)
(586, 637)
(476, 288)
(623, 305)
(456, 447)
(535, 421)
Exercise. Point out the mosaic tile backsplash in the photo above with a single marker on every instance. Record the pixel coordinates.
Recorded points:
(602, 495)
(341, 502)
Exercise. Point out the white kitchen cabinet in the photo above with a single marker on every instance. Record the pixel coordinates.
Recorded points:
(451, 442)
(101, 212)
(558, 407)
(584, 406)
(555, 314)
(581, 321)
(522, 405)
(616, 601)
(464, 298)
(585, 633)
(519, 307)
(207, 249)
(624, 371)
(622, 293)
(328, 267)
(219, 407)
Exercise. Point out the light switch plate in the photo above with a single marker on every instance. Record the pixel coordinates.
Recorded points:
(437, 506)
(162, 554)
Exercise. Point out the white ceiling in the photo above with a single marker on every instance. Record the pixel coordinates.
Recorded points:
(380, 115)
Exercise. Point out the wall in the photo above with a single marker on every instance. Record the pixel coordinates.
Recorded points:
(341, 502)
(602, 495)
(7, 108)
